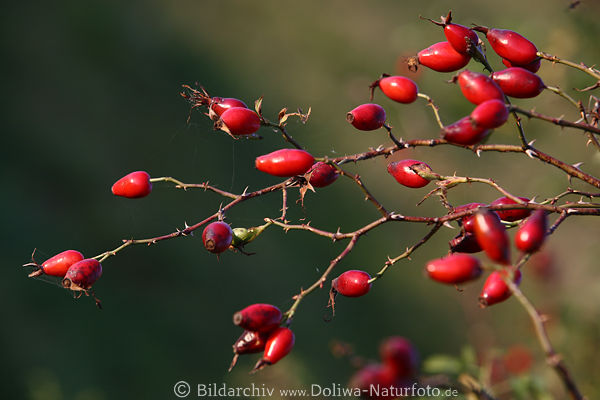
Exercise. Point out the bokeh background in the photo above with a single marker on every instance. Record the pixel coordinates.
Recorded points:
(91, 92)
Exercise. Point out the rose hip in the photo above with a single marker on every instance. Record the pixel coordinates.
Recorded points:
(353, 283)
(518, 82)
(279, 344)
(478, 87)
(442, 57)
(217, 237)
(468, 221)
(399, 355)
(533, 67)
(367, 117)
(510, 45)
(454, 269)
(219, 105)
(82, 275)
(495, 290)
(464, 132)
(490, 114)
(398, 88)
(491, 236)
(249, 342)
(238, 121)
(322, 174)
(511, 215)
(133, 185)
(464, 243)
(258, 318)
(532, 232)
(404, 173)
(57, 265)
(285, 162)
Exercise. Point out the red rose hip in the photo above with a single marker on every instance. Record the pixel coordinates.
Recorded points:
(57, 265)
(398, 88)
(322, 174)
(510, 45)
(249, 342)
(217, 237)
(491, 236)
(533, 67)
(454, 269)
(353, 283)
(490, 114)
(442, 57)
(404, 173)
(468, 221)
(532, 232)
(495, 290)
(478, 87)
(367, 117)
(511, 215)
(464, 243)
(518, 82)
(238, 121)
(279, 344)
(399, 355)
(133, 185)
(258, 318)
(464, 132)
(285, 162)
(82, 275)
(219, 105)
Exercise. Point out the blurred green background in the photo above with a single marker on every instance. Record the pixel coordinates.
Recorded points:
(91, 92)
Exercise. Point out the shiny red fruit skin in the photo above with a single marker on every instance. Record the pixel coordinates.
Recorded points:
(280, 343)
(464, 132)
(375, 381)
(399, 355)
(442, 57)
(258, 317)
(490, 114)
(250, 342)
(495, 290)
(399, 89)
(478, 87)
(59, 264)
(491, 236)
(367, 117)
(533, 67)
(322, 174)
(219, 105)
(518, 82)
(532, 232)
(84, 273)
(133, 185)
(454, 269)
(456, 34)
(464, 243)
(468, 222)
(353, 283)
(285, 162)
(217, 237)
(239, 121)
(510, 215)
(512, 46)
(404, 175)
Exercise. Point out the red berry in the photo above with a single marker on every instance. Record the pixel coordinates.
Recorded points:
(399, 88)
(442, 57)
(478, 87)
(279, 344)
(468, 222)
(353, 283)
(378, 382)
(518, 82)
(404, 174)
(533, 67)
(399, 355)
(510, 215)
(238, 121)
(495, 290)
(510, 45)
(457, 36)
(532, 232)
(453, 269)
(491, 236)
(134, 185)
(82, 274)
(217, 237)
(490, 114)
(464, 132)
(367, 117)
(219, 105)
(322, 174)
(249, 342)
(285, 162)
(258, 318)
(58, 265)
(464, 243)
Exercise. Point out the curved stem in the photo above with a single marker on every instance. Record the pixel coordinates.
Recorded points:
(434, 108)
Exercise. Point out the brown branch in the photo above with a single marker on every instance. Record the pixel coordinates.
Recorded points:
(557, 121)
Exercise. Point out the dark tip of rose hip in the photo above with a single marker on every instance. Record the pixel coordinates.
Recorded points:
(238, 318)
(66, 283)
(210, 244)
(482, 29)
(350, 117)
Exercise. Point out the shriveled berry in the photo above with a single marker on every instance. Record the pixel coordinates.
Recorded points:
(399, 355)
(57, 265)
(491, 236)
(249, 342)
(279, 344)
(468, 221)
(533, 67)
(285, 162)
(219, 105)
(133, 185)
(442, 57)
(238, 121)
(405, 175)
(217, 237)
(511, 215)
(258, 317)
(490, 114)
(82, 275)
(399, 88)
(518, 82)
(510, 45)
(532, 232)
(322, 174)
(464, 243)
(478, 87)
(454, 268)
(353, 283)
(367, 117)
(464, 132)
(495, 290)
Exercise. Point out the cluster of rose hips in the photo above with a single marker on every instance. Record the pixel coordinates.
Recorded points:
(398, 369)
(262, 332)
